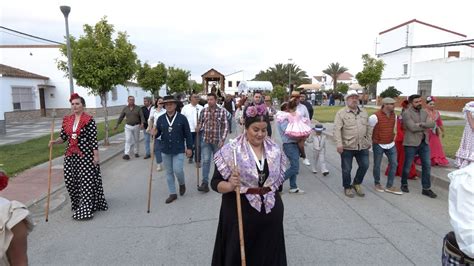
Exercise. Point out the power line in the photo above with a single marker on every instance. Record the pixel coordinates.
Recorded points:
(434, 45)
(23, 37)
(29, 35)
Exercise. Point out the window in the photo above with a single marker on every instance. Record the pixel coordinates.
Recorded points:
(22, 98)
(453, 54)
(229, 84)
(424, 88)
(405, 69)
(238, 82)
(114, 94)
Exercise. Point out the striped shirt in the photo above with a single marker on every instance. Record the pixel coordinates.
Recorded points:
(213, 124)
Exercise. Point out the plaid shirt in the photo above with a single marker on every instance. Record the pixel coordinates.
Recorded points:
(213, 124)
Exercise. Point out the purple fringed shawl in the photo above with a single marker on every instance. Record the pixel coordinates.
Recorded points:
(247, 168)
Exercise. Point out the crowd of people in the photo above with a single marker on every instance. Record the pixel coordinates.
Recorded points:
(199, 132)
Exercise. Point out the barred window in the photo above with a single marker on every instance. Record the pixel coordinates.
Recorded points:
(23, 98)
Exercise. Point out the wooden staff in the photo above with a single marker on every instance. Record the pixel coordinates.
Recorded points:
(50, 165)
(233, 145)
(151, 170)
(197, 142)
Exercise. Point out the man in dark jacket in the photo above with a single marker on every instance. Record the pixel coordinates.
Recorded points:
(175, 133)
(307, 104)
(146, 114)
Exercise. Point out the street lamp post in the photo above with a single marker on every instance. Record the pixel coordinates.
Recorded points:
(289, 76)
(65, 10)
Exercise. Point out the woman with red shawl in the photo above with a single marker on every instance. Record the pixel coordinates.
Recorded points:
(81, 161)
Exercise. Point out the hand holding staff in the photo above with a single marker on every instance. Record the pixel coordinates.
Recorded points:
(233, 145)
(197, 143)
(151, 170)
(50, 164)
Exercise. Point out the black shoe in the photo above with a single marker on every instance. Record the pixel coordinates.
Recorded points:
(429, 193)
(126, 157)
(280, 188)
(171, 198)
(146, 156)
(325, 173)
(204, 187)
(182, 189)
(136, 155)
(404, 188)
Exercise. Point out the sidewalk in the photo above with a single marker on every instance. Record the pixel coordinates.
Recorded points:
(18, 132)
(439, 175)
(31, 186)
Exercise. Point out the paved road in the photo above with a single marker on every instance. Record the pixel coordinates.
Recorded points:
(321, 227)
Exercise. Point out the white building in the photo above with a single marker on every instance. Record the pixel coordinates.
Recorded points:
(446, 71)
(41, 95)
(232, 82)
(326, 81)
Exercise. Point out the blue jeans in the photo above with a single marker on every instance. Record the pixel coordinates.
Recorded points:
(207, 155)
(147, 142)
(293, 153)
(362, 158)
(157, 151)
(392, 160)
(173, 164)
(423, 150)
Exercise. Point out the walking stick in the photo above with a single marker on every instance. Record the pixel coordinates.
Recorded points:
(50, 165)
(151, 171)
(233, 145)
(197, 144)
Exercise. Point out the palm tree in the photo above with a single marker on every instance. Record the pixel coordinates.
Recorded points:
(334, 70)
(278, 75)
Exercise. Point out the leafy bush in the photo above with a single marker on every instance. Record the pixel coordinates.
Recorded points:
(391, 92)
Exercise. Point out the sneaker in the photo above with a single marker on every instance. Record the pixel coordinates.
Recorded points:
(296, 191)
(171, 198)
(146, 157)
(404, 188)
(325, 173)
(315, 172)
(379, 188)
(182, 189)
(306, 161)
(358, 190)
(429, 193)
(348, 192)
(204, 187)
(394, 190)
(137, 155)
(126, 157)
(158, 168)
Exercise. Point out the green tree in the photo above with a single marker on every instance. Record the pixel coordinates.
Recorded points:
(371, 73)
(391, 92)
(279, 92)
(177, 80)
(196, 87)
(334, 70)
(342, 88)
(100, 63)
(279, 74)
(151, 78)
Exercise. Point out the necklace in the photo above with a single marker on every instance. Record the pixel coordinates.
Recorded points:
(260, 166)
(170, 124)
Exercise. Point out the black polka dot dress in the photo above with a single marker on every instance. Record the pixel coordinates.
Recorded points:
(83, 179)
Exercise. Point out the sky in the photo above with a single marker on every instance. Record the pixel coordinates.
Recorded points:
(230, 36)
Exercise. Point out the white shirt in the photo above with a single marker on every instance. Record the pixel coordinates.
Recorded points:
(302, 110)
(190, 111)
(373, 120)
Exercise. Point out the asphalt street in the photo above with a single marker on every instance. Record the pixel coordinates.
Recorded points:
(322, 226)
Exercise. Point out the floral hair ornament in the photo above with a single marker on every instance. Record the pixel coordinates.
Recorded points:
(256, 110)
(430, 99)
(74, 96)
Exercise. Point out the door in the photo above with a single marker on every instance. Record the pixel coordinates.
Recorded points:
(42, 102)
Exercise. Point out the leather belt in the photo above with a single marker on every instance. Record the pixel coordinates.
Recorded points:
(258, 190)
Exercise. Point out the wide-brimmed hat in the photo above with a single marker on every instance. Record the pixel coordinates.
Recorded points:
(169, 99)
(319, 128)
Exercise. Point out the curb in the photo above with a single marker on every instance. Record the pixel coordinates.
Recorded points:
(62, 185)
(435, 180)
